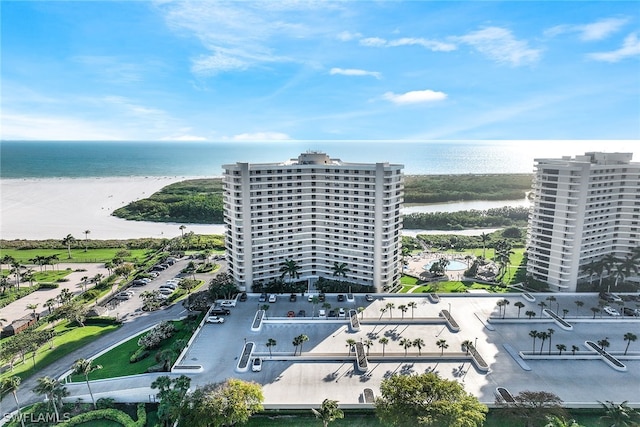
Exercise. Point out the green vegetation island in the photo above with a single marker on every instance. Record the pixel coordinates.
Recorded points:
(200, 201)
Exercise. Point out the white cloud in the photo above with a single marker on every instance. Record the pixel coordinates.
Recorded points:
(355, 72)
(261, 136)
(415, 97)
(346, 36)
(501, 46)
(432, 45)
(630, 47)
(590, 32)
(435, 46)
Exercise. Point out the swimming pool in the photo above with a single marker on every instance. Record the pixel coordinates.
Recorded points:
(453, 265)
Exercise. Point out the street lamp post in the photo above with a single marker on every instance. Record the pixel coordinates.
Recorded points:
(475, 342)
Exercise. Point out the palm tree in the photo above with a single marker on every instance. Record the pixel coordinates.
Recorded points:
(530, 314)
(542, 305)
(543, 337)
(418, 342)
(265, 307)
(32, 307)
(303, 339)
(361, 312)
(595, 310)
(500, 304)
(383, 310)
(296, 342)
(350, 343)
(11, 384)
(328, 412)
(467, 344)
(340, 269)
(574, 348)
(505, 303)
(86, 236)
(561, 348)
(629, 337)
(406, 343)
(86, 367)
(315, 300)
(390, 306)
(564, 312)
(484, 238)
(550, 332)
(384, 341)
(534, 334)
(291, 268)
(68, 241)
(621, 415)
(604, 343)
(413, 305)
(48, 386)
(271, 343)
(442, 343)
(182, 228)
(553, 299)
(520, 306)
(578, 304)
(403, 309)
(49, 304)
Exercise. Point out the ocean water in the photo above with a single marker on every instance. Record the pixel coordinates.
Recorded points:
(75, 159)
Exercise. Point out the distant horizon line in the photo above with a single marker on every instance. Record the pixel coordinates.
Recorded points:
(266, 141)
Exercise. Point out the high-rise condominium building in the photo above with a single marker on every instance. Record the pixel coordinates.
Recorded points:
(585, 208)
(315, 211)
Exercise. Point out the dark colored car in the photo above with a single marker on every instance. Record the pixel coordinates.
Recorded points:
(302, 313)
(243, 296)
(293, 298)
(321, 297)
(220, 312)
(332, 313)
(340, 297)
(291, 313)
(263, 298)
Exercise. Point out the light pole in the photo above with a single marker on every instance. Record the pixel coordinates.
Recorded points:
(475, 342)
(449, 308)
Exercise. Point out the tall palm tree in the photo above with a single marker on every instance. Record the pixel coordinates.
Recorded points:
(68, 241)
(403, 309)
(629, 337)
(384, 341)
(32, 307)
(467, 344)
(328, 412)
(595, 310)
(11, 385)
(303, 339)
(484, 238)
(86, 239)
(48, 386)
(550, 333)
(442, 343)
(578, 304)
(630, 265)
(412, 305)
(530, 314)
(561, 348)
(406, 343)
(520, 306)
(271, 343)
(340, 269)
(534, 334)
(390, 306)
(620, 415)
(542, 305)
(182, 228)
(86, 367)
(350, 343)
(367, 343)
(542, 336)
(291, 268)
(418, 342)
(16, 269)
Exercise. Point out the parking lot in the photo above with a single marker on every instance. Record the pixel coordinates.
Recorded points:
(288, 383)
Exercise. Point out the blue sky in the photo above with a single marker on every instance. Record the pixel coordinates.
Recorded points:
(363, 70)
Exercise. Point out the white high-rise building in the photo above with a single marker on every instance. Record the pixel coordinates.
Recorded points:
(585, 208)
(315, 211)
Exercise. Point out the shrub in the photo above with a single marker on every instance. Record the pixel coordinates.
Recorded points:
(138, 355)
(155, 336)
(49, 286)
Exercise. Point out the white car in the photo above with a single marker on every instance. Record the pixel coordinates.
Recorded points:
(341, 312)
(351, 298)
(611, 311)
(124, 296)
(272, 298)
(310, 298)
(256, 366)
(228, 303)
(215, 319)
(171, 285)
(166, 291)
(322, 313)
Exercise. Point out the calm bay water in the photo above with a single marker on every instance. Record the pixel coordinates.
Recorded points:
(49, 159)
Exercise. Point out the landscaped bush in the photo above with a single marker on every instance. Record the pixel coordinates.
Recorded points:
(49, 285)
(159, 333)
(109, 414)
(139, 354)
(101, 320)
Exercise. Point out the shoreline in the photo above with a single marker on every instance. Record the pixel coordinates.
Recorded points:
(51, 208)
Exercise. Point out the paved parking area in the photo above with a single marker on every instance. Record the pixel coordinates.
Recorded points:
(291, 383)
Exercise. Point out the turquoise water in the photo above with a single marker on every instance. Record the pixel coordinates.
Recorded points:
(47, 159)
(453, 265)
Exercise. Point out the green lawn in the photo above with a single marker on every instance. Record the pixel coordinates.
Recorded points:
(456, 287)
(77, 255)
(67, 340)
(115, 363)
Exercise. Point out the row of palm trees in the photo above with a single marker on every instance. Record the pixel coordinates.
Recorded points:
(291, 268)
(609, 265)
(49, 387)
(628, 337)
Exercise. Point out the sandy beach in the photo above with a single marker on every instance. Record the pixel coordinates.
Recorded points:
(35, 209)
(52, 208)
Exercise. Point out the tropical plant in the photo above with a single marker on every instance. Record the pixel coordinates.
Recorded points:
(533, 407)
(50, 387)
(419, 343)
(328, 412)
(442, 344)
(291, 268)
(533, 334)
(350, 344)
(619, 415)
(427, 399)
(530, 314)
(412, 305)
(629, 337)
(467, 345)
(561, 348)
(11, 385)
(271, 343)
(520, 306)
(68, 241)
(384, 341)
(340, 269)
(85, 367)
(406, 343)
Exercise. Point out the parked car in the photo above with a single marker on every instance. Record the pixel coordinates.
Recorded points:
(302, 313)
(165, 291)
(611, 311)
(609, 297)
(123, 296)
(228, 303)
(332, 313)
(631, 311)
(368, 297)
(321, 296)
(272, 298)
(340, 297)
(310, 297)
(293, 297)
(256, 366)
(243, 296)
(170, 285)
(139, 282)
(322, 312)
(215, 319)
(341, 312)
(263, 298)
(291, 313)
(351, 298)
(219, 311)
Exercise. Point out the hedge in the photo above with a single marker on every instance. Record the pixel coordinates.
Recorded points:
(109, 414)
